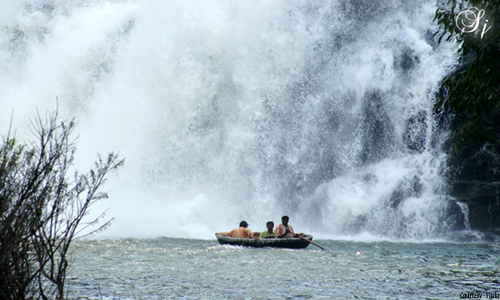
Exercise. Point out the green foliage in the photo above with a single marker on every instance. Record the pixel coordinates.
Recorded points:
(472, 91)
(42, 208)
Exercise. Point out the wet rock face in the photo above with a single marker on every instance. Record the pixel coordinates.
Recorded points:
(475, 180)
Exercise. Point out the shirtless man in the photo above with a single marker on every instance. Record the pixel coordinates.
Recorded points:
(242, 232)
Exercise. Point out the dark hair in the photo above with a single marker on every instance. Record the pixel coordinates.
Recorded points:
(270, 222)
(285, 217)
(243, 224)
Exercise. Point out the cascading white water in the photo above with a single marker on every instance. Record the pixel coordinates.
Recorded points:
(228, 110)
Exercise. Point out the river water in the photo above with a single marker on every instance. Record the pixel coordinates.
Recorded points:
(252, 109)
(172, 268)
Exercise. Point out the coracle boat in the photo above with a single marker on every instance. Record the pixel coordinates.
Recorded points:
(294, 243)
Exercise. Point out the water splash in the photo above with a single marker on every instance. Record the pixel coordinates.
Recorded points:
(230, 110)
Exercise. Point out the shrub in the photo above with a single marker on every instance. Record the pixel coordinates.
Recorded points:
(42, 208)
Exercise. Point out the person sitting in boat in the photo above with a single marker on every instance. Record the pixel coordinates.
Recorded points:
(270, 232)
(242, 232)
(284, 230)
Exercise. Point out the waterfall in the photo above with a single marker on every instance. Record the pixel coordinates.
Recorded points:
(228, 110)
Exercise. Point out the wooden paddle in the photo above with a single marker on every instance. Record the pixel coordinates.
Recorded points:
(311, 242)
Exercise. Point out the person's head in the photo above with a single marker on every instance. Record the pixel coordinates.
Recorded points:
(270, 225)
(244, 224)
(284, 220)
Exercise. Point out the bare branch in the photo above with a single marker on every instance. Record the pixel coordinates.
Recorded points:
(41, 208)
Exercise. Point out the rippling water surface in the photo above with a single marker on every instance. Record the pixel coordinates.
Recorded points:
(167, 268)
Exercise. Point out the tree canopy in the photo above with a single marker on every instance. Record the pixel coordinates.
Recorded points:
(472, 91)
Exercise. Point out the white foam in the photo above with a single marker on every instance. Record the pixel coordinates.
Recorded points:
(220, 108)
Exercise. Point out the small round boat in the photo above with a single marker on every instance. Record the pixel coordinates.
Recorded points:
(293, 243)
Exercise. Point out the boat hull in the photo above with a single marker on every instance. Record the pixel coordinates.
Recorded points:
(293, 243)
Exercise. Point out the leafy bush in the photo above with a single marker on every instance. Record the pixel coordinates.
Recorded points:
(472, 91)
